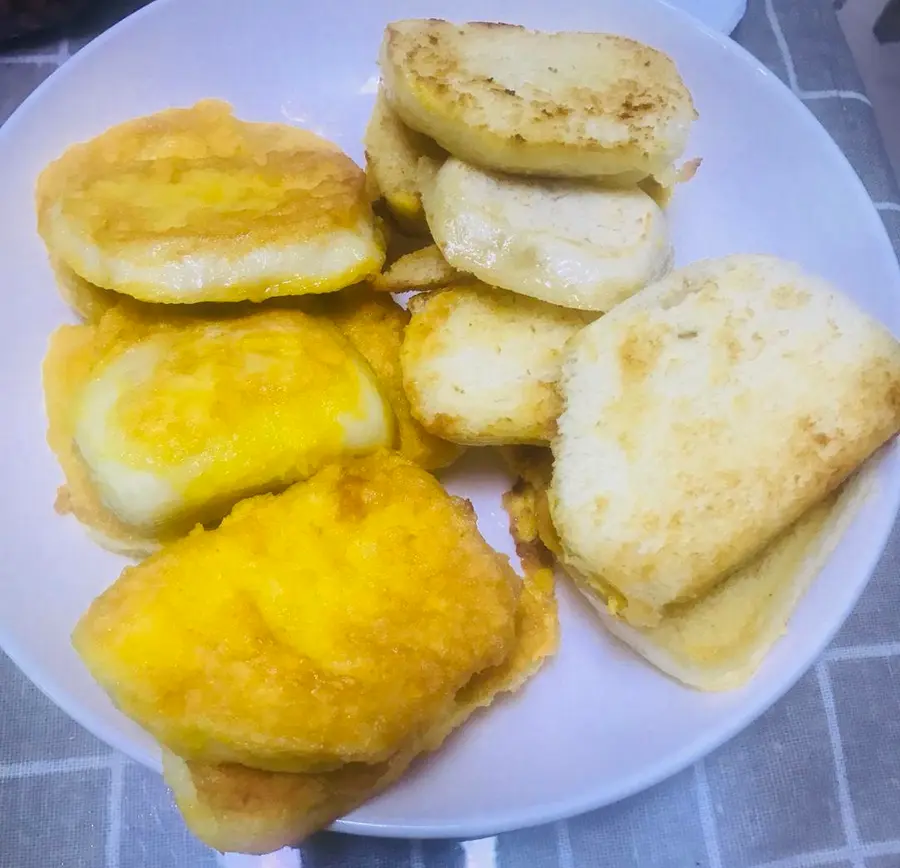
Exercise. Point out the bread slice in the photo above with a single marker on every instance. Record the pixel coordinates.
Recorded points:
(162, 423)
(392, 156)
(480, 365)
(706, 415)
(421, 269)
(194, 205)
(718, 641)
(237, 809)
(563, 104)
(567, 242)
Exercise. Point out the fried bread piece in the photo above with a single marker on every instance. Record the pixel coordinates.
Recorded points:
(233, 808)
(392, 156)
(333, 623)
(718, 640)
(525, 102)
(570, 243)
(190, 205)
(480, 364)
(419, 270)
(160, 423)
(705, 415)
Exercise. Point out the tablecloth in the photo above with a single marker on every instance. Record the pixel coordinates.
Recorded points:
(814, 782)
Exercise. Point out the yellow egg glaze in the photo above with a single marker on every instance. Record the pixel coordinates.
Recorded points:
(192, 205)
(166, 423)
(334, 622)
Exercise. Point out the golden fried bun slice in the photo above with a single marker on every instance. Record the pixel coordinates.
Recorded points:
(159, 424)
(552, 104)
(480, 365)
(393, 151)
(705, 415)
(191, 205)
(333, 623)
(569, 243)
(236, 809)
(419, 270)
(374, 323)
(89, 302)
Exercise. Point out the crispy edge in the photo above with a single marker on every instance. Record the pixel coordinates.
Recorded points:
(423, 269)
(392, 152)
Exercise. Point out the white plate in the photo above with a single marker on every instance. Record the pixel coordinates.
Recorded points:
(721, 15)
(597, 723)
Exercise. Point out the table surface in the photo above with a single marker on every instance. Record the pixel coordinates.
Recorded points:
(815, 782)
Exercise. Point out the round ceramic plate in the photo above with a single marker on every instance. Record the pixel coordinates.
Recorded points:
(597, 723)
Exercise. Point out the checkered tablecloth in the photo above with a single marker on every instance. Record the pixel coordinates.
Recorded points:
(815, 782)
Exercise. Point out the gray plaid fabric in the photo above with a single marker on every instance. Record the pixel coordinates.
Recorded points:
(815, 782)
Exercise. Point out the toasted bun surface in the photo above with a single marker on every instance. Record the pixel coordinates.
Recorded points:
(480, 365)
(705, 415)
(564, 104)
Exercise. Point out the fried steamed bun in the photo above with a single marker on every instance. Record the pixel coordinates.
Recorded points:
(375, 324)
(237, 809)
(161, 423)
(707, 414)
(191, 205)
(419, 270)
(551, 104)
(570, 243)
(333, 623)
(392, 157)
(480, 365)
(716, 641)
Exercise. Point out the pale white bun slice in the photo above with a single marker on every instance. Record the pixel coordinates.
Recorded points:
(569, 243)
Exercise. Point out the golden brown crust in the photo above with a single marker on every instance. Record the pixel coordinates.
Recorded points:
(303, 655)
(527, 102)
(195, 188)
(233, 808)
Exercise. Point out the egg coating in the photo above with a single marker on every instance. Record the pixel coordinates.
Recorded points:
(192, 204)
(332, 623)
(159, 424)
(237, 809)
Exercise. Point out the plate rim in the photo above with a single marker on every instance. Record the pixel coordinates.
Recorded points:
(691, 752)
